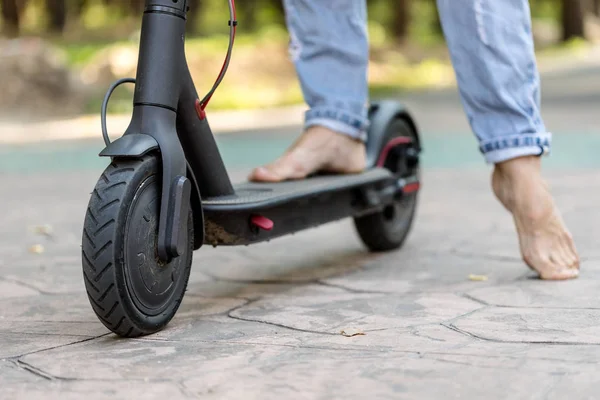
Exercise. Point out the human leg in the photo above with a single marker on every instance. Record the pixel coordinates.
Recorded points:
(492, 51)
(330, 50)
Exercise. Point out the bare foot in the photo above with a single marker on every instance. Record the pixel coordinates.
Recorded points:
(546, 244)
(318, 150)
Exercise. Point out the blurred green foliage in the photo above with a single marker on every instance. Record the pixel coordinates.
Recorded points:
(110, 19)
(406, 37)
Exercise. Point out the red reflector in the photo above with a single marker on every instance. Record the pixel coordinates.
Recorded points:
(261, 222)
(411, 187)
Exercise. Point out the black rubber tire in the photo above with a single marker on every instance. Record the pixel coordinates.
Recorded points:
(378, 231)
(111, 236)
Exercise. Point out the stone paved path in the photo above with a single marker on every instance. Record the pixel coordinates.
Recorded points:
(265, 322)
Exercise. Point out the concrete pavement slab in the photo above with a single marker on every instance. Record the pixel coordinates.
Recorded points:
(577, 294)
(333, 310)
(533, 325)
(266, 321)
(428, 272)
(14, 289)
(209, 370)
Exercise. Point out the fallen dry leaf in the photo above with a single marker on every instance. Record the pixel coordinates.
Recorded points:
(36, 249)
(478, 278)
(45, 230)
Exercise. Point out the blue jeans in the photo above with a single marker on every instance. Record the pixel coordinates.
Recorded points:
(491, 48)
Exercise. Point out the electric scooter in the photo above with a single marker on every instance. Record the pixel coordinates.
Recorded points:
(166, 192)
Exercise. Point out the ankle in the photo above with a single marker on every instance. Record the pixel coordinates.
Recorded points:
(520, 167)
(328, 134)
(519, 186)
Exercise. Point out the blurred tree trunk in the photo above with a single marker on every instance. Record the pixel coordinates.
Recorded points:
(195, 9)
(573, 19)
(596, 7)
(57, 10)
(77, 7)
(279, 10)
(136, 7)
(10, 17)
(437, 23)
(401, 19)
(247, 11)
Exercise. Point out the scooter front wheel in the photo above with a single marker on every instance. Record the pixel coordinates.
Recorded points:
(130, 289)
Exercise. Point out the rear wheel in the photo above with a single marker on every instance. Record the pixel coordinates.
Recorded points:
(131, 290)
(387, 230)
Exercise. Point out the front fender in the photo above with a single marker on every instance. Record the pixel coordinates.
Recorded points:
(139, 144)
(131, 145)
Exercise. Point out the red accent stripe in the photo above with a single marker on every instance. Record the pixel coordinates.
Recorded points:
(200, 110)
(389, 146)
(411, 188)
(201, 107)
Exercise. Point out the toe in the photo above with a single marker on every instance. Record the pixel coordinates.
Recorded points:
(557, 268)
(571, 251)
(560, 256)
(264, 174)
(560, 274)
(550, 267)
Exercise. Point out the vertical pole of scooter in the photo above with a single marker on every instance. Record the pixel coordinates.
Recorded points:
(196, 137)
(199, 144)
(161, 48)
(155, 111)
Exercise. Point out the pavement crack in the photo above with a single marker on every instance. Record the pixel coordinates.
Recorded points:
(239, 318)
(456, 362)
(427, 356)
(475, 299)
(508, 356)
(452, 320)
(416, 333)
(454, 328)
(349, 289)
(18, 332)
(36, 371)
(537, 342)
(484, 303)
(183, 389)
(40, 373)
(17, 358)
(26, 285)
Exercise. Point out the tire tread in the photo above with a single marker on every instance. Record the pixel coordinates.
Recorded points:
(98, 248)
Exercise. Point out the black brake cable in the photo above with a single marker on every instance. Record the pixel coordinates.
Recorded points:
(203, 103)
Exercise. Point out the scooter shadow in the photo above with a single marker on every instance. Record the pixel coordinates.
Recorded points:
(251, 273)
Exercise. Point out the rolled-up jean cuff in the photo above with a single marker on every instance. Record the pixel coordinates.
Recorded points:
(338, 121)
(507, 148)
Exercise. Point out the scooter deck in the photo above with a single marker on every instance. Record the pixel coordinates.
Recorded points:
(262, 211)
(251, 195)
